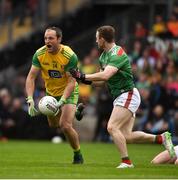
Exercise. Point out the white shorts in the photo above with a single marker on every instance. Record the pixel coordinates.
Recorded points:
(176, 150)
(130, 100)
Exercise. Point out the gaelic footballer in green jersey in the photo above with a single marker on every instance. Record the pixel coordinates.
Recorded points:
(116, 72)
(122, 81)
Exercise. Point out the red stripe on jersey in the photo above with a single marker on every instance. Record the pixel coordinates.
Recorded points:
(129, 98)
(120, 52)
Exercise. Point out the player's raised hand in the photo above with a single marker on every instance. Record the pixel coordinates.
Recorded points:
(77, 74)
(32, 111)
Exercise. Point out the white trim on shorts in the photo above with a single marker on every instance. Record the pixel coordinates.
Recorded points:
(176, 150)
(130, 100)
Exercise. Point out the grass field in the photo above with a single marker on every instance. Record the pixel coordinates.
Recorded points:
(29, 159)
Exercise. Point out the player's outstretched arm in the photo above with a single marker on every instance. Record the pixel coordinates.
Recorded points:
(30, 86)
(79, 76)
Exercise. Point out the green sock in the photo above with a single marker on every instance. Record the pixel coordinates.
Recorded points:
(77, 112)
(77, 152)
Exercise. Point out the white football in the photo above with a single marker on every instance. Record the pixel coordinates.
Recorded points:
(48, 106)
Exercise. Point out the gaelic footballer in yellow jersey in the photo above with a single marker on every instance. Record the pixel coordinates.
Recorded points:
(54, 60)
(54, 68)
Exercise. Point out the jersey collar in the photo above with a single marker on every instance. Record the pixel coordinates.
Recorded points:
(112, 48)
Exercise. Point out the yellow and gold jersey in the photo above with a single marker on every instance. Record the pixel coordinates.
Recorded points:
(54, 68)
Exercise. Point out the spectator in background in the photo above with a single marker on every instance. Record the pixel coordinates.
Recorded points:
(157, 122)
(172, 26)
(140, 30)
(88, 66)
(143, 86)
(158, 94)
(8, 123)
(171, 78)
(159, 26)
(175, 57)
(21, 118)
(136, 52)
(94, 55)
(175, 11)
(19, 83)
(146, 62)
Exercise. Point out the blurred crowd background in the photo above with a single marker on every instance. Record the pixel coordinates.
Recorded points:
(147, 30)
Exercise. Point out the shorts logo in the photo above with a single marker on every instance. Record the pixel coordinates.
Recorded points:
(54, 74)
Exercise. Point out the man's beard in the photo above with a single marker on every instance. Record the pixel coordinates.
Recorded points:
(101, 47)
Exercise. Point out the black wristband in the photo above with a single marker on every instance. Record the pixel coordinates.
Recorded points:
(86, 82)
(82, 77)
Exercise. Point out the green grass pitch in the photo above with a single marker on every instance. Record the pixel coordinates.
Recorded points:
(29, 159)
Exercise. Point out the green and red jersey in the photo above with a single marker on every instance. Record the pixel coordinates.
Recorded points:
(122, 81)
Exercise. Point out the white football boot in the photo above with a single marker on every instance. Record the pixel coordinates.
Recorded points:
(125, 165)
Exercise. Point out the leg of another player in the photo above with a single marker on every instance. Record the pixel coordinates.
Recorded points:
(66, 125)
(141, 137)
(119, 117)
(176, 162)
(163, 158)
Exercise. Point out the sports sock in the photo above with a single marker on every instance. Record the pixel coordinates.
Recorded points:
(159, 139)
(77, 152)
(126, 160)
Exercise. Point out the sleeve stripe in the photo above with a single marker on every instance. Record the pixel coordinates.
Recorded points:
(65, 55)
(66, 52)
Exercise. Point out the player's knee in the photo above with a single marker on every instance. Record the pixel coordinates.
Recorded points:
(65, 128)
(110, 129)
(154, 161)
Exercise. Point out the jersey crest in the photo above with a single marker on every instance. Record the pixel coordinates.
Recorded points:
(114, 52)
(120, 52)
